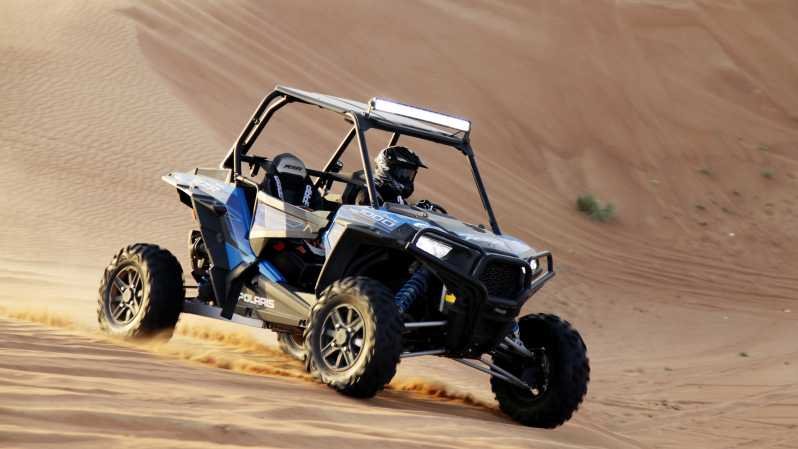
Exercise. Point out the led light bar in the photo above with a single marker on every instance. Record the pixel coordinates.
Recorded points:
(383, 105)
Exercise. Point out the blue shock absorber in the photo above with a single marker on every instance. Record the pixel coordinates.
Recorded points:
(414, 287)
(516, 330)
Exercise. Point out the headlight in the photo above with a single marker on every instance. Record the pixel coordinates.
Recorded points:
(433, 247)
(533, 264)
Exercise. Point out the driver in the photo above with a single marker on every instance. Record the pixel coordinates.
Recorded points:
(395, 170)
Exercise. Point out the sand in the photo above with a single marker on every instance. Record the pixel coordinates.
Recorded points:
(684, 114)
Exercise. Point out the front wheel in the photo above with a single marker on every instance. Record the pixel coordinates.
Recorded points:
(141, 293)
(558, 373)
(354, 338)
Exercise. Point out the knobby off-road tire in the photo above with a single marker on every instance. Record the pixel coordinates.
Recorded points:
(566, 375)
(141, 293)
(375, 363)
(292, 345)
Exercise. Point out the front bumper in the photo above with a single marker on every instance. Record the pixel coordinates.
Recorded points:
(479, 318)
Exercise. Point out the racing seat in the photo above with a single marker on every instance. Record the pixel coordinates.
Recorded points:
(287, 221)
(287, 179)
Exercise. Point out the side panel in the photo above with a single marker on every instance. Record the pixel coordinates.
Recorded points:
(273, 302)
(277, 219)
(380, 222)
(224, 218)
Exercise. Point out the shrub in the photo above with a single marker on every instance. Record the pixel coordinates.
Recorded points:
(586, 203)
(591, 207)
(768, 173)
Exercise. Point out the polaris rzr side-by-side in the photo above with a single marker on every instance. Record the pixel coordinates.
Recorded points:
(353, 282)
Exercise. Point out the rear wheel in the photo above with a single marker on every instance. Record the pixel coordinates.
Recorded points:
(141, 293)
(558, 373)
(292, 344)
(354, 338)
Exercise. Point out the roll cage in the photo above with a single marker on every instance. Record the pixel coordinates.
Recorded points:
(423, 124)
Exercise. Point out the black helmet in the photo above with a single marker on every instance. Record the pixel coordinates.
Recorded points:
(398, 156)
(395, 170)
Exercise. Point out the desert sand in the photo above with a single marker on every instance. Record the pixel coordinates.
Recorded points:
(684, 114)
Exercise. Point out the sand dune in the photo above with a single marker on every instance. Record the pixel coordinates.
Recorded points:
(169, 404)
(672, 110)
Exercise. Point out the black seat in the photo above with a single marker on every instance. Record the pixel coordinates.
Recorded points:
(288, 180)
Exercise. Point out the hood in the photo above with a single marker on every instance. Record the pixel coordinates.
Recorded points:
(483, 237)
(471, 233)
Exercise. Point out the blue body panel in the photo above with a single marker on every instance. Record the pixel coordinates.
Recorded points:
(237, 219)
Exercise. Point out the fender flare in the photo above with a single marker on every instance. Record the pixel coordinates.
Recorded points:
(346, 256)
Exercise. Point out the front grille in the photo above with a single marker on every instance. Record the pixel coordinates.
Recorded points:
(502, 278)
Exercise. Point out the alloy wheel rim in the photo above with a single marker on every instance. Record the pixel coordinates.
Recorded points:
(125, 295)
(342, 337)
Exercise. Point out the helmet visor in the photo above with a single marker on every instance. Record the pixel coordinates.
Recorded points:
(404, 173)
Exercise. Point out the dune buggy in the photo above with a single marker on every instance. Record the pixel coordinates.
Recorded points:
(352, 289)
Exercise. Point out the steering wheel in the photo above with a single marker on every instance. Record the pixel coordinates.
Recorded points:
(432, 207)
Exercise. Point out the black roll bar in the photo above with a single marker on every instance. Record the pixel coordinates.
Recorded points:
(483, 194)
(364, 157)
(338, 153)
(253, 129)
(361, 122)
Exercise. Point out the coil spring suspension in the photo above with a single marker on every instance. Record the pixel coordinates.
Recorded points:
(414, 287)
